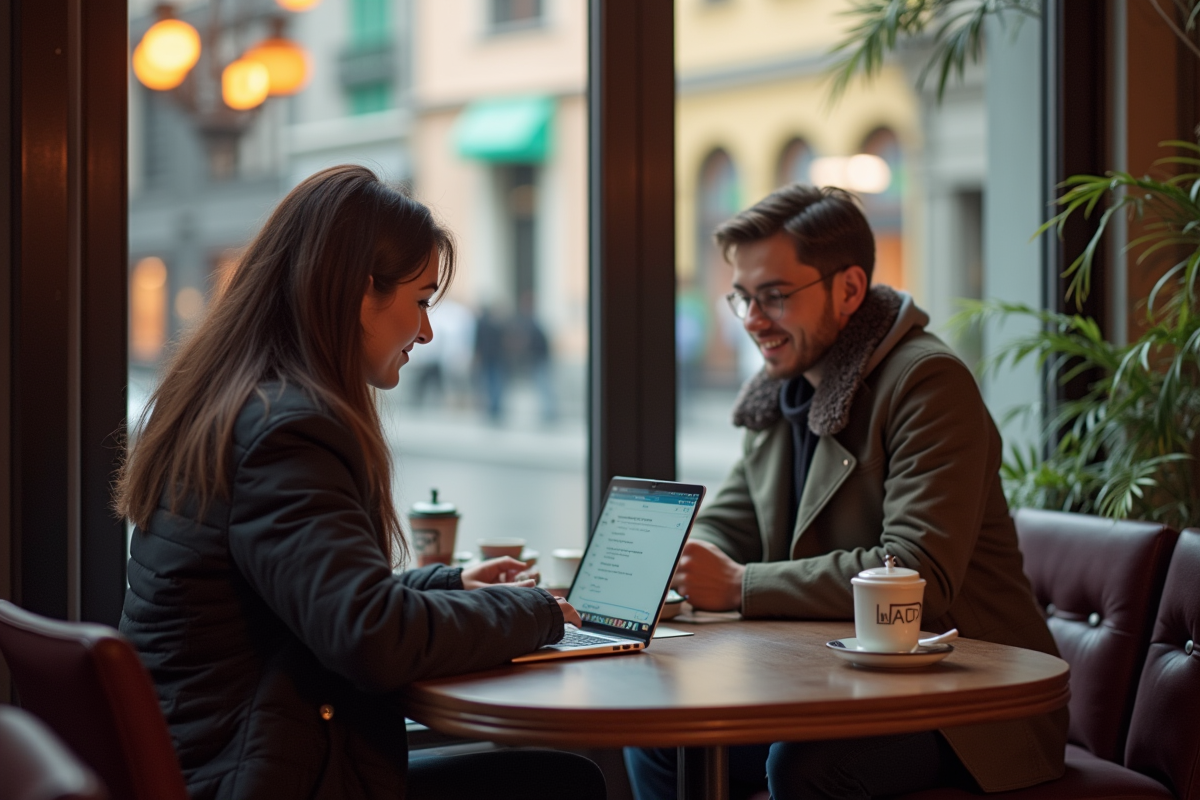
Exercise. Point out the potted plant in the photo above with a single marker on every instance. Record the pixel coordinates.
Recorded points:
(1128, 447)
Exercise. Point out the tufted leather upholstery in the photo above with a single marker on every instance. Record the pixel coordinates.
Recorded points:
(1162, 756)
(1164, 740)
(87, 684)
(35, 765)
(1099, 581)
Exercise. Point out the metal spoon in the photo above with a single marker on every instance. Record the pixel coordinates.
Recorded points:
(941, 638)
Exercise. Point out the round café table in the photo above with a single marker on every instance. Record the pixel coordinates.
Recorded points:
(735, 682)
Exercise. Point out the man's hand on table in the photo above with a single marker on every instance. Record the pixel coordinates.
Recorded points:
(709, 579)
(505, 570)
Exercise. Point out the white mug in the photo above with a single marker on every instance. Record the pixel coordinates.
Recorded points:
(564, 562)
(888, 602)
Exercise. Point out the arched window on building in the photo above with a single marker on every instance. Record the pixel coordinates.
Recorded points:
(706, 347)
(795, 163)
(884, 208)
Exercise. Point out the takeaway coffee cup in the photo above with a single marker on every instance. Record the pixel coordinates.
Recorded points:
(887, 607)
(434, 526)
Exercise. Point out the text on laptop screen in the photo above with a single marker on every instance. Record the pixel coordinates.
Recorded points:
(629, 560)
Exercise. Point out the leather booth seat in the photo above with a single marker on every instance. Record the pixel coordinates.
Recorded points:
(1162, 754)
(88, 685)
(35, 765)
(1099, 582)
(1164, 739)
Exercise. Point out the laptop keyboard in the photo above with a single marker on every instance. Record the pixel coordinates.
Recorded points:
(580, 639)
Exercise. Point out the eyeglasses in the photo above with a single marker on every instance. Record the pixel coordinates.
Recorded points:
(770, 302)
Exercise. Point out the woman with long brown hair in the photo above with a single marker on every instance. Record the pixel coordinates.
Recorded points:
(262, 592)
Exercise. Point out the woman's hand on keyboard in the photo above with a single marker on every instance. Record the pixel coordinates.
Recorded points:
(570, 615)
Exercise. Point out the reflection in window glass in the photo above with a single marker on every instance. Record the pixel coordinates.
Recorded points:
(491, 134)
(751, 87)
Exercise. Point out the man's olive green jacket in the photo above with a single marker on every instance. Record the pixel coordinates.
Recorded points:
(907, 463)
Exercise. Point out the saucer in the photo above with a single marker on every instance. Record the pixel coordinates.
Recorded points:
(848, 649)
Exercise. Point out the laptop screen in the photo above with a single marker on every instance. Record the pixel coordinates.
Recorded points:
(627, 568)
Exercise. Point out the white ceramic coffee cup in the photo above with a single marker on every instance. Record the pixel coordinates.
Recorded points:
(564, 563)
(888, 602)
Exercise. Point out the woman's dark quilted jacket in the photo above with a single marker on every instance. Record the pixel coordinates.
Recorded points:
(277, 633)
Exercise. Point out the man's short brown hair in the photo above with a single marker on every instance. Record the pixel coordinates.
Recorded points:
(826, 226)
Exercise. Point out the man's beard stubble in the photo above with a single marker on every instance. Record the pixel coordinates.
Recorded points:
(812, 351)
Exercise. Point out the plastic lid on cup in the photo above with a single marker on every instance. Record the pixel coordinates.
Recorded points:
(433, 508)
(890, 573)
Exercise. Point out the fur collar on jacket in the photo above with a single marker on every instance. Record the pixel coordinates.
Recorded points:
(852, 356)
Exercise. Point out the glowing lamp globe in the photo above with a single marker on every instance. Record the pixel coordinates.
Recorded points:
(297, 5)
(286, 63)
(865, 173)
(152, 77)
(244, 84)
(170, 46)
(868, 173)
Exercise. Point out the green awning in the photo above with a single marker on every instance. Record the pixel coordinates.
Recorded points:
(514, 130)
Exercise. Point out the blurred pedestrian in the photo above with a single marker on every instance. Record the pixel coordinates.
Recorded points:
(527, 352)
(490, 358)
(443, 367)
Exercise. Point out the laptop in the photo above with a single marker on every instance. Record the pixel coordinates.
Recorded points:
(626, 569)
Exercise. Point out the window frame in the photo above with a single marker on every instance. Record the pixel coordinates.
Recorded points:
(63, 363)
(631, 225)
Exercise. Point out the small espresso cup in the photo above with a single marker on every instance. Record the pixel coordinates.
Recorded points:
(498, 547)
(888, 602)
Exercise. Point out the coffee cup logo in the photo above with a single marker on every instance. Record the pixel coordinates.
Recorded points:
(426, 541)
(898, 613)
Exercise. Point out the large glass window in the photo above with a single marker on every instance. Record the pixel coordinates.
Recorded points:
(490, 132)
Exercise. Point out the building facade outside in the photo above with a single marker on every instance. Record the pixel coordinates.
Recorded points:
(500, 144)
(199, 190)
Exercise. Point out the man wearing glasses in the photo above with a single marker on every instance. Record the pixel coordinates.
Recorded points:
(865, 436)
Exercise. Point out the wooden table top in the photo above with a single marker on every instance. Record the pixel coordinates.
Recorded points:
(737, 682)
